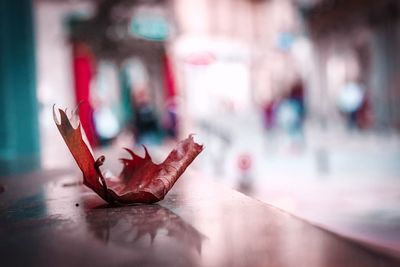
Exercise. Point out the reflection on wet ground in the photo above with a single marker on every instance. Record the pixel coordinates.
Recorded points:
(141, 224)
(78, 221)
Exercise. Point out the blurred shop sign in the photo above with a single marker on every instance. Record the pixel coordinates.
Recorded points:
(200, 58)
(149, 26)
(204, 51)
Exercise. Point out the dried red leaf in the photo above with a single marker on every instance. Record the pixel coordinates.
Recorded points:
(140, 181)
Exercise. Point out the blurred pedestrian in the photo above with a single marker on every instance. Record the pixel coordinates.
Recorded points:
(350, 100)
(269, 114)
(291, 112)
(146, 124)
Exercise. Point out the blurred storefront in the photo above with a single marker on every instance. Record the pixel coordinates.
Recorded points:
(236, 56)
(355, 43)
(132, 35)
(110, 58)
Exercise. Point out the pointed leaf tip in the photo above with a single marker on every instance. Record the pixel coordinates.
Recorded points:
(131, 153)
(55, 116)
(146, 153)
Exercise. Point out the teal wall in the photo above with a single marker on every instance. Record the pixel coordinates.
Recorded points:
(19, 133)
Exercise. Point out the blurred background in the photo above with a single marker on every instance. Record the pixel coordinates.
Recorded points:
(296, 101)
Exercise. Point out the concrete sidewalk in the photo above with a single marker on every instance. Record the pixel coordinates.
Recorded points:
(346, 182)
